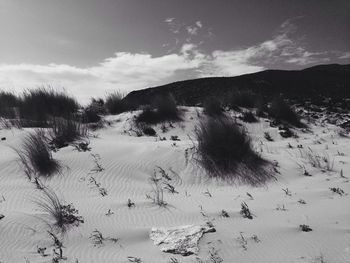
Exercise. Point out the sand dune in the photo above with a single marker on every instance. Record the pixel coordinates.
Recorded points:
(127, 163)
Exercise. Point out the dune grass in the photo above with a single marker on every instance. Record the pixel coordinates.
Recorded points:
(114, 103)
(39, 105)
(249, 117)
(224, 150)
(92, 113)
(212, 107)
(36, 156)
(8, 102)
(282, 112)
(242, 98)
(61, 216)
(163, 109)
(66, 131)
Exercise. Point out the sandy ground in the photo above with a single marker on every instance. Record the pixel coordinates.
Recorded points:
(127, 163)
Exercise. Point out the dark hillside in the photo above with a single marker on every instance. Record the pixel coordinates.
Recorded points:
(312, 83)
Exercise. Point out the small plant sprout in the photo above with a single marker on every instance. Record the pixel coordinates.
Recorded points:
(323, 162)
(224, 213)
(207, 193)
(242, 241)
(214, 256)
(38, 183)
(305, 228)
(134, 259)
(98, 239)
(342, 174)
(170, 188)
(41, 251)
(82, 146)
(306, 173)
(245, 212)
(255, 239)
(157, 193)
(174, 138)
(250, 196)
(102, 191)
(281, 208)
(340, 153)
(319, 259)
(109, 212)
(337, 190)
(302, 201)
(98, 167)
(130, 203)
(268, 137)
(287, 192)
(58, 248)
(164, 174)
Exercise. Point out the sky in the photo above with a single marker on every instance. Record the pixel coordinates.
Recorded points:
(94, 47)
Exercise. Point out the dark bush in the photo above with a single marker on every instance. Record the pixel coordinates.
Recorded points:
(282, 112)
(224, 150)
(285, 132)
(242, 98)
(65, 131)
(39, 105)
(149, 131)
(36, 156)
(166, 108)
(115, 103)
(163, 109)
(261, 107)
(249, 117)
(148, 115)
(268, 137)
(212, 107)
(8, 103)
(92, 113)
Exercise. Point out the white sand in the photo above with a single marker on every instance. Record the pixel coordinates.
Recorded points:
(129, 161)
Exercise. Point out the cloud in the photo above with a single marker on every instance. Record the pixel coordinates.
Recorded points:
(306, 57)
(192, 30)
(124, 71)
(174, 26)
(345, 55)
(169, 20)
(185, 30)
(131, 71)
(199, 24)
(228, 63)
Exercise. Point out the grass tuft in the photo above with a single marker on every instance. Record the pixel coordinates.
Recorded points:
(38, 106)
(163, 109)
(66, 131)
(212, 107)
(8, 103)
(282, 112)
(115, 104)
(36, 156)
(224, 150)
(62, 216)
